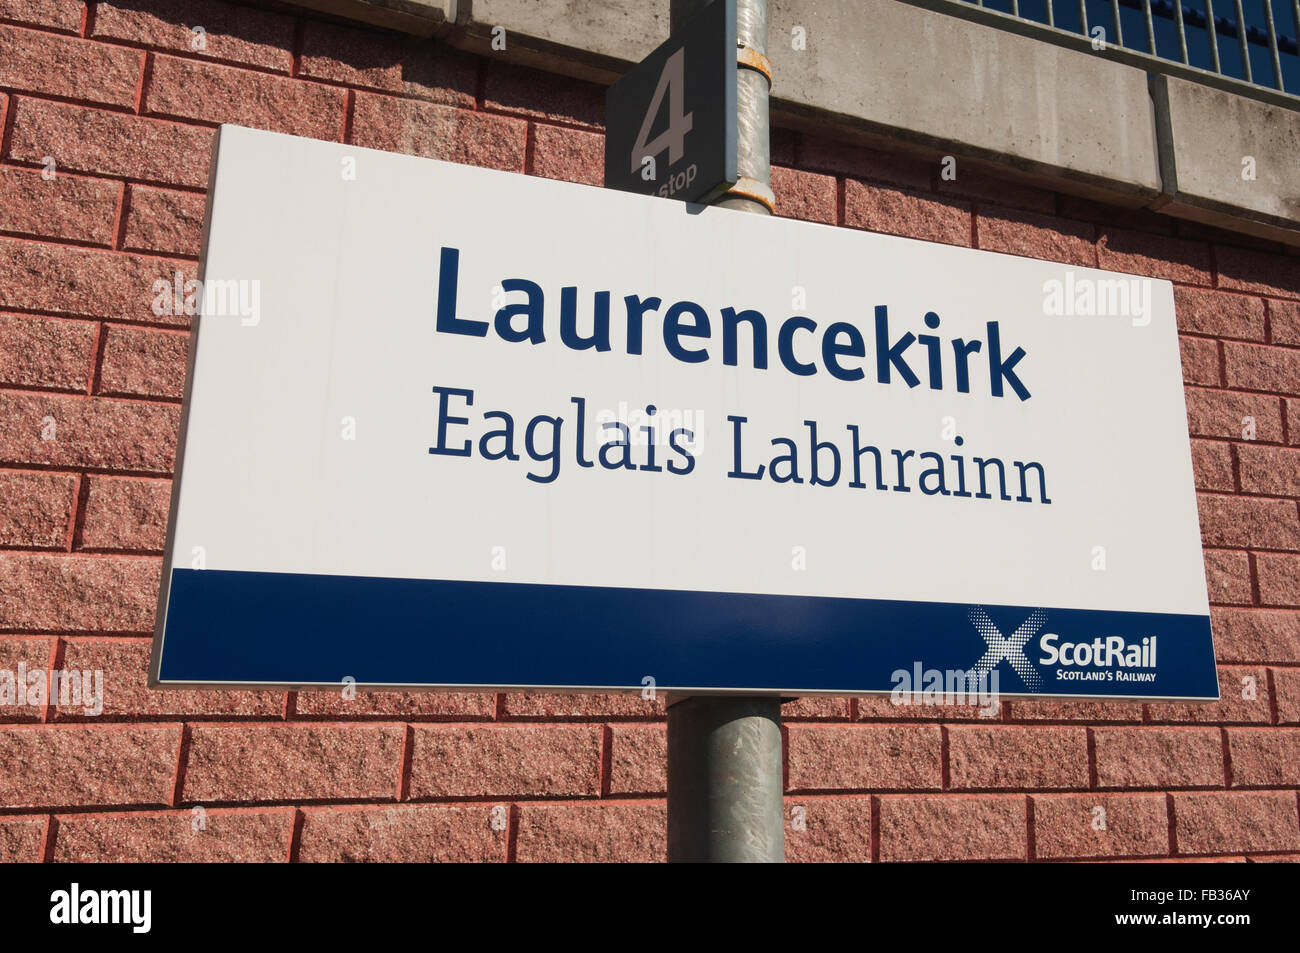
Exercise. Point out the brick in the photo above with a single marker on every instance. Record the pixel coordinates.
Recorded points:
(1279, 579)
(816, 706)
(64, 15)
(1229, 521)
(1257, 272)
(19, 660)
(1031, 235)
(980, 186)
(439, 132)
(66, 207)
(1212, 466)
(69, 67)
(164, 222)
(804, 195)
(863, 162)
(592, 833)
(1156, 256)
(48, 593)
(1264, 757)
(1088, 210)
(1260, 367)
(1135, 825)
(227, 836)
(292, 762)
(403, 834)
(1286, 690)
(824, 830)
(125, 664)
(569, 154)
(207, 92)
(240, 34)
(1256, 635)
(782, 145)
(504, 760)
(953, 827)
(1221, 413)
(1192, 860)
(1189, 229)
(1219, 314)
(22, 839)
(423, 70)
(125, 514)
(65, 431)
(1158, 757)
(552, 705)
(1293, 422)
(1200, 361)
(143, 362)
(1284, 321)
(882, 708)
(87, 283)
(38, 509)
(1052, 709)
(864, 757)
(106, 143)
(1271, 470)
(440, 705)
(638, 759)
(904, 212)
(1017, 757)
(1225, 822)
(1233, 705)
(46, 766)
(544, 96)
(1227, 576)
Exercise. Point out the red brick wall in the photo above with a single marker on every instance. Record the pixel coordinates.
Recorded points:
(115, 94)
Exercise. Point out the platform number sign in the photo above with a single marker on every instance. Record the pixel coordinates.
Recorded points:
(670, 123)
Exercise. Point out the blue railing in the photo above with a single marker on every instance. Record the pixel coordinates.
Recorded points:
(1252, 47)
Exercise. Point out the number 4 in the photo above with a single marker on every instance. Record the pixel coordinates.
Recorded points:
(672, 81)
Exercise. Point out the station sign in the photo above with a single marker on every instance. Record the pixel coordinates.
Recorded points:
(460, 428)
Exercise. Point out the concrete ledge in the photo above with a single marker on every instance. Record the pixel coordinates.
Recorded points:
(907, 73)
(607, 34)
(921, 81)
(1206, 135)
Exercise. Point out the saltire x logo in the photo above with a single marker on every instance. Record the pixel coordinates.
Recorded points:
(1011, 648)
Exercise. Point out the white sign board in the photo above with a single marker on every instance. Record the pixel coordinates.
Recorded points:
(456, 427)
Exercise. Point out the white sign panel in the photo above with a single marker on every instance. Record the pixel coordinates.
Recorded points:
(449, 426)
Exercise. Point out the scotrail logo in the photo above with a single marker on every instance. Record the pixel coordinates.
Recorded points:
(1011, 648)
(1105, 659)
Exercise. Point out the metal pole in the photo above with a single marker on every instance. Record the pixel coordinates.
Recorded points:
(1272, 45)
(1182, 30)
(1212, 34)
(724, 780)
(725, 783)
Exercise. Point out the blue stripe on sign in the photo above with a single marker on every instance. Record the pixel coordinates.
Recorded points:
(288, 628)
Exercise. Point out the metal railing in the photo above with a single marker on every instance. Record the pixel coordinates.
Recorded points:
(1247, 46)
